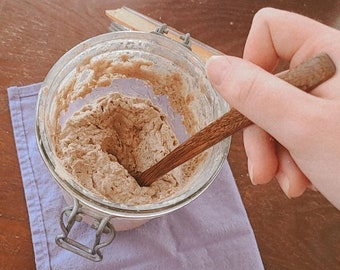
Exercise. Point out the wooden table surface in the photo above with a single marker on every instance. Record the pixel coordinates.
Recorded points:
(302, 233)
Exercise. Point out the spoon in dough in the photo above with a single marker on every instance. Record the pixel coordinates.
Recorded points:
(305, 76)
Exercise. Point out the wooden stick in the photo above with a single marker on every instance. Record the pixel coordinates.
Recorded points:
(305, 76)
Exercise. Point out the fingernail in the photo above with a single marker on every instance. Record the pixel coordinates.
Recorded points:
(284, 184)
(251, 172)
(217, 69)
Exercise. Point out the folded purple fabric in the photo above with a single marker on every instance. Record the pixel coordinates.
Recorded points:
(212, 232)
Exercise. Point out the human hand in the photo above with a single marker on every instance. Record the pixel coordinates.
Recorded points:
(296, 138)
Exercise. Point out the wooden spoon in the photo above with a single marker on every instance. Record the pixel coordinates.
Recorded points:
(305, 76)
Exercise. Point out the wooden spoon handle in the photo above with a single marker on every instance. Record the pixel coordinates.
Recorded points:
(305, 76)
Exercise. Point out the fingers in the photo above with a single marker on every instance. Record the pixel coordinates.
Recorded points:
(290, 178)
(260, 150)
(266, 161)
(272, 104)
(277, 34)
(281, 110)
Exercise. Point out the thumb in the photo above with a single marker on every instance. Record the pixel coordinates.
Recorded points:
(268, 101)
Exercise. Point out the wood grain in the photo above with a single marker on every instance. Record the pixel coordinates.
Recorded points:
(302, 233)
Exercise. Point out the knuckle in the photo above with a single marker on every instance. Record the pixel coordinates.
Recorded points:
(248, 87)
(263, 14)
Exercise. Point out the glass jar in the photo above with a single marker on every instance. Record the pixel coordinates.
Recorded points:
(61, 94)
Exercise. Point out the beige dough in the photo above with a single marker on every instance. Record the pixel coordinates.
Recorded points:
(104, 139)
(116, 132)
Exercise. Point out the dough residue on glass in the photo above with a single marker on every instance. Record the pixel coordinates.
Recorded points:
(116, 133)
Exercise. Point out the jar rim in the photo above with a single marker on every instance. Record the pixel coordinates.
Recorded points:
(76, 190)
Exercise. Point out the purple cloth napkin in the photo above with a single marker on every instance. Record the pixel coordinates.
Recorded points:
(212, 232)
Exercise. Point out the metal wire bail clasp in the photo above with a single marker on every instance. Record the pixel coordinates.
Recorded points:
(163, 29)
(75, 213)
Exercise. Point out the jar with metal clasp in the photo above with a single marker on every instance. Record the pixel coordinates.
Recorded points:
(63, 92)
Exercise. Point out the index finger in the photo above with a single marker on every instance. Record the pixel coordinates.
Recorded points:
(277, 34)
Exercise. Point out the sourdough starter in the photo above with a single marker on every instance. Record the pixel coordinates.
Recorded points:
(117, 133)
